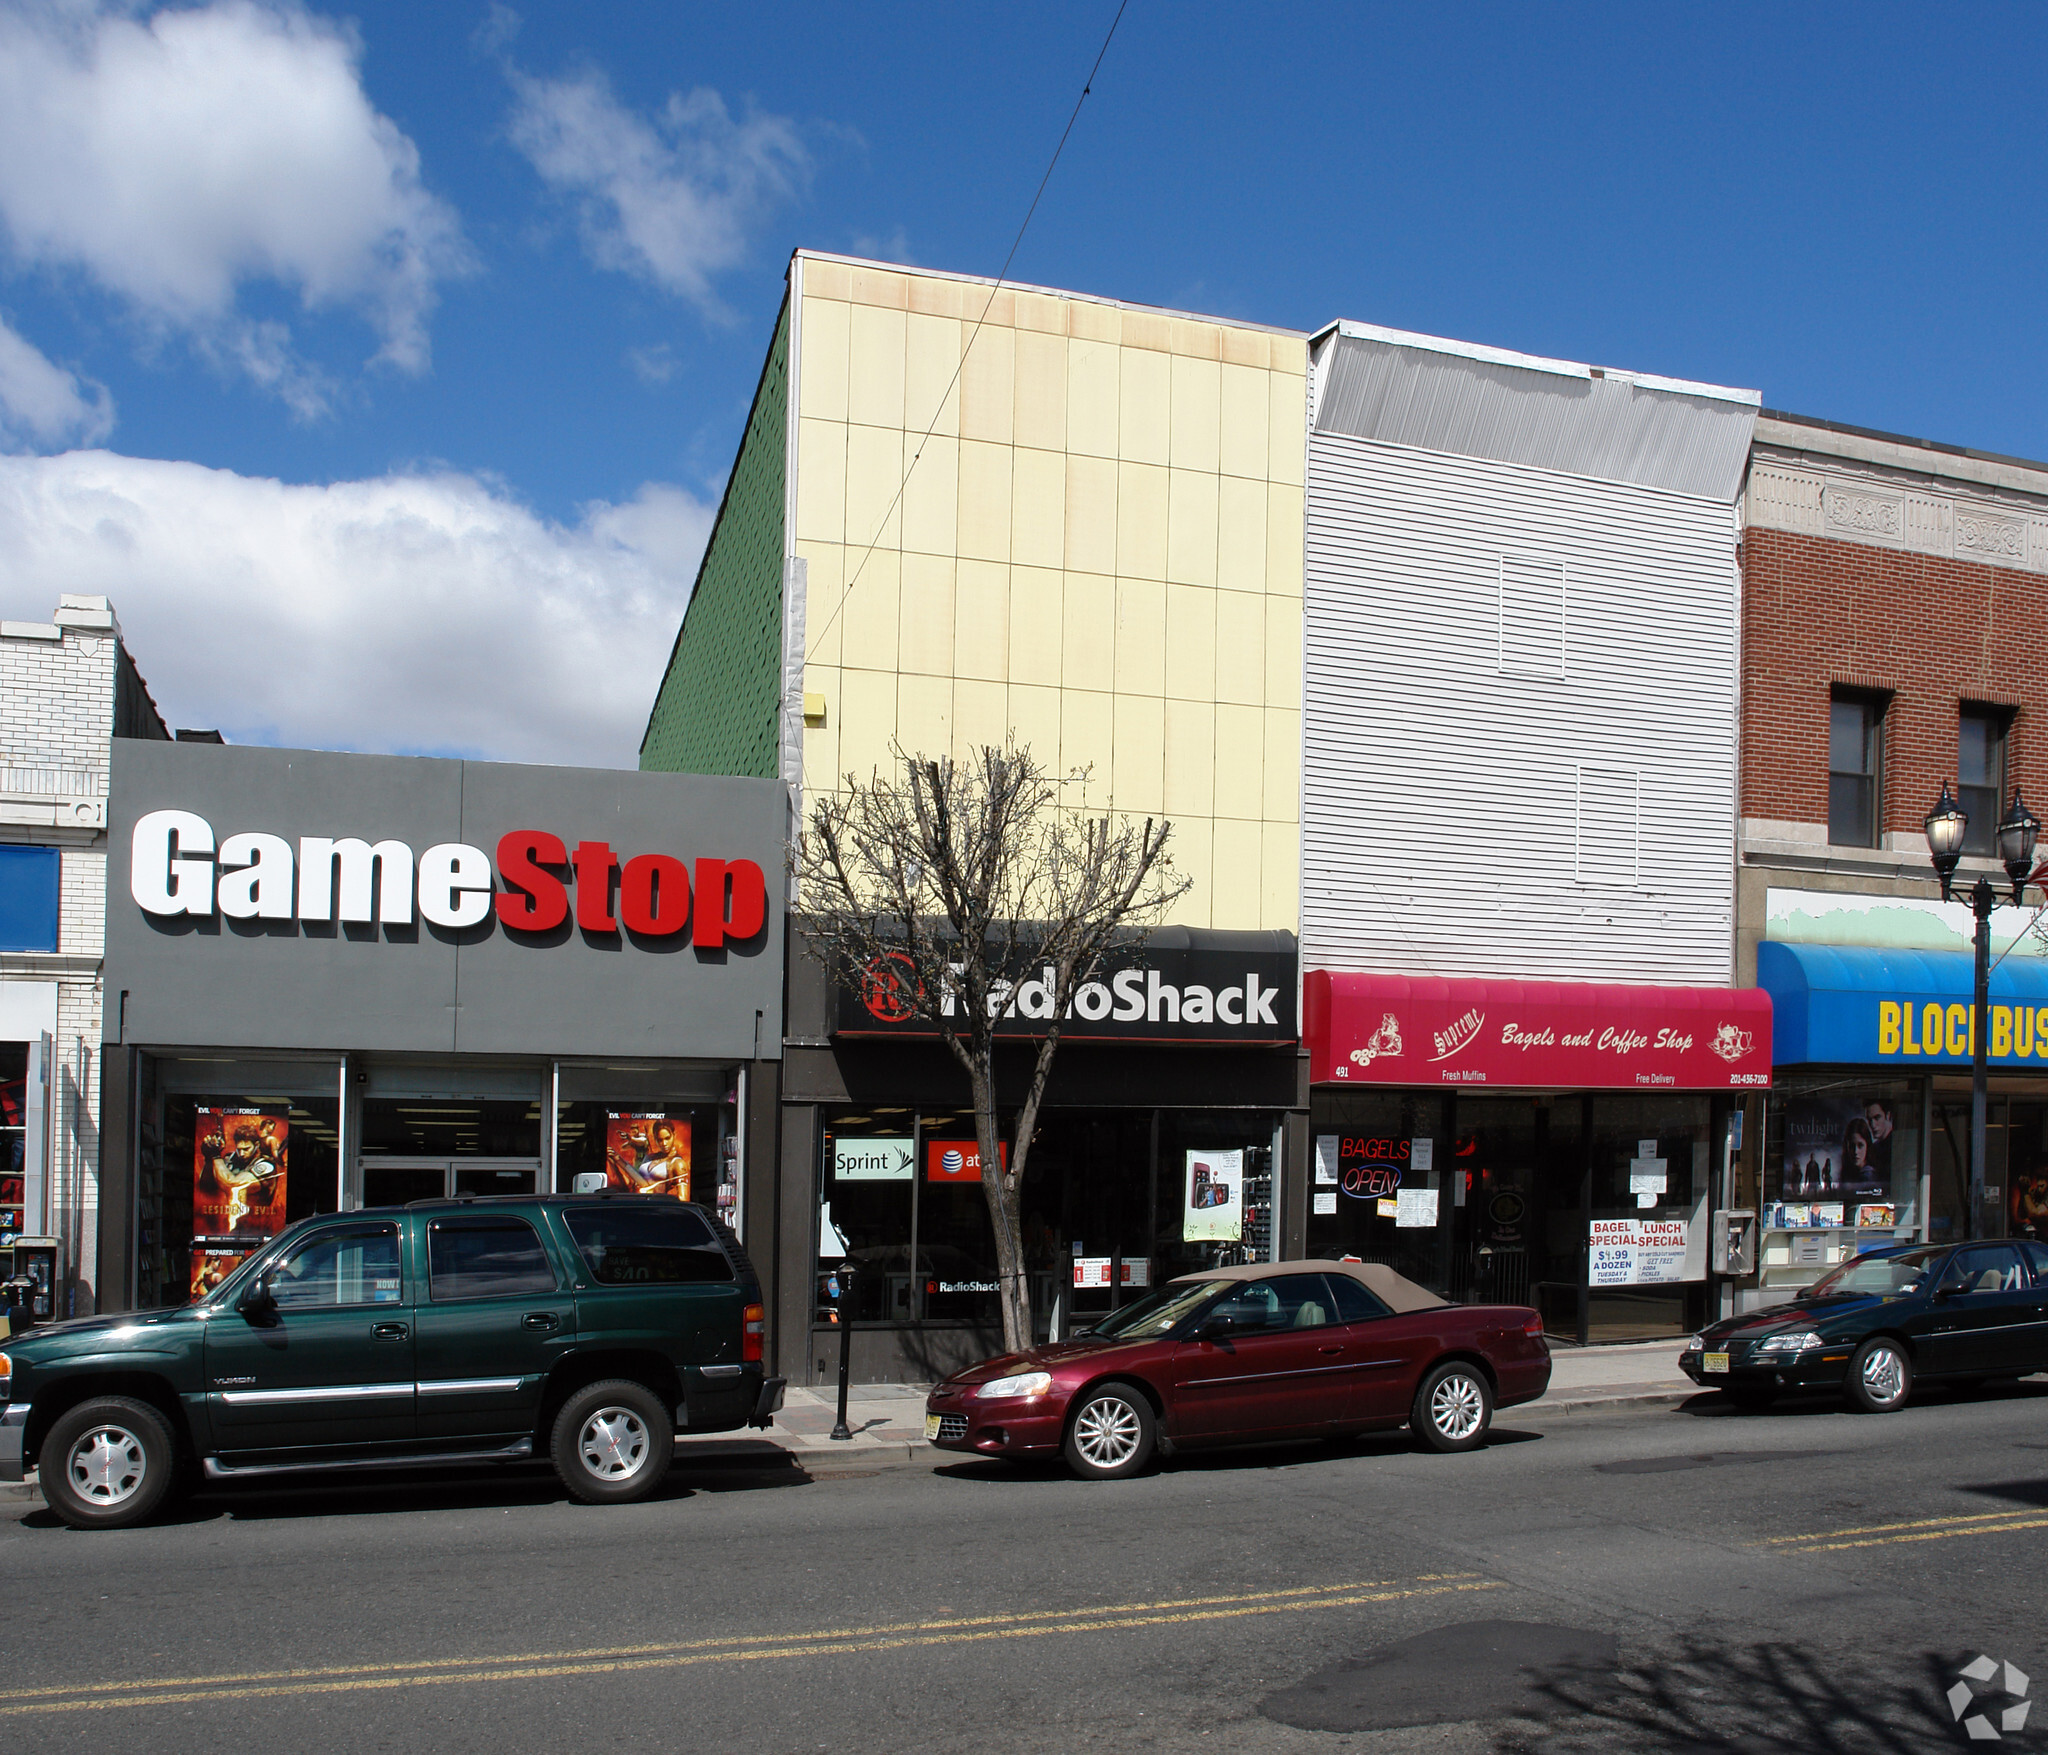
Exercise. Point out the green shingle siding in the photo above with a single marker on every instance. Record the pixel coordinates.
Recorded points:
(719, 707)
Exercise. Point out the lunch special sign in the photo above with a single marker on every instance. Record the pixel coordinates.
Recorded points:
(1417, 1030)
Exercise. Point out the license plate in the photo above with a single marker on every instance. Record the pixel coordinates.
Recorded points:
(1714, 1362)
(931, 1427)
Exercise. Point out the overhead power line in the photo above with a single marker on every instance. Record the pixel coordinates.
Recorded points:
(1087, 86)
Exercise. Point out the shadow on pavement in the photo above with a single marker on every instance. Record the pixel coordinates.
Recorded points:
(1713, 1404)
(1237, 1459)
(1765, 1699)
(495, 1487)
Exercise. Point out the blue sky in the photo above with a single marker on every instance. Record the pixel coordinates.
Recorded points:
(412, 343)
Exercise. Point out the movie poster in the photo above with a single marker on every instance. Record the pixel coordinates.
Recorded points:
(648, 1152)
(1838, 1149)
(239, 1159)
(1215, 1198)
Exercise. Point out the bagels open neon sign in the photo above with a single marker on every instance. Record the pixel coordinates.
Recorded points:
(177, 867)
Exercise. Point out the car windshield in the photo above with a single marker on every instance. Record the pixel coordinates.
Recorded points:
(1872, 1274)
(1157, 1312)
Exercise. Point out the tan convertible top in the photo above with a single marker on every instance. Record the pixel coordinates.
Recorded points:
(1392, 1290)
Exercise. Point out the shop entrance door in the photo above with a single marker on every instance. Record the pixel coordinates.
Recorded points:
(391, 1182)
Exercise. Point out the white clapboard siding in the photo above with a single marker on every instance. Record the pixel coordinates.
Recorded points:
(1442, 795)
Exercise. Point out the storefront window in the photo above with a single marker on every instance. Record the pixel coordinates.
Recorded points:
(237, 1170)
(1114, 1203)
(1841, 1173)
(13, 1137)
(866, 1193)
(427, 1127)
(655, 1148)
(1648, 1158)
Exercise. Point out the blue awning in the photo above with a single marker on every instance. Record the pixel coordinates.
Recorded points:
(1862, 1005)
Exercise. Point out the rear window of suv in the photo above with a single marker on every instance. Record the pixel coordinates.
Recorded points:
(646, 1246)
(486, 1258)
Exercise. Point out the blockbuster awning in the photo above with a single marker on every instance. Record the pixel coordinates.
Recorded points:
(1560, 1035)
(1863, 1005)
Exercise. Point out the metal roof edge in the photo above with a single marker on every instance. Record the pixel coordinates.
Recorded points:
(1051, 292)
(1501, 356)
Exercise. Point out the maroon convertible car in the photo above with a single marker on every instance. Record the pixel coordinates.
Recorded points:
(1288, 1349)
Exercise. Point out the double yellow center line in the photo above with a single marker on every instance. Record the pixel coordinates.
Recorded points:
(1924, 1529)
(739, 1648)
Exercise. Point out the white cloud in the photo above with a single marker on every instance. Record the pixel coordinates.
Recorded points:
(179, 156)
(408, 613)
(43, 404)
(671, 200)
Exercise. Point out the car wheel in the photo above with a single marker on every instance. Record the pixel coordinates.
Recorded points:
(612, 1442)
(1880, 1377)
(1754, 1396)
(1111, 1434)
(1453, 1408)
(107, 1463)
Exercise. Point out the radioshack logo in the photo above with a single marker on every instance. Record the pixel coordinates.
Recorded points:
(176, 867)
(889, 989)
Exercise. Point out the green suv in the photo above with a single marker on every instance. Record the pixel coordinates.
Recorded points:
(592, 1327)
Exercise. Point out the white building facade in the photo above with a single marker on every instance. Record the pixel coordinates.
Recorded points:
(1520, 759)
(67, 688)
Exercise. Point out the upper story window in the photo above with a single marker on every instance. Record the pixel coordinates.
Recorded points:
(1855, 769)
(1980, 774)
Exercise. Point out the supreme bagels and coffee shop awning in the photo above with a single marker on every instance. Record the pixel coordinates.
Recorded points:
(1547, 1143)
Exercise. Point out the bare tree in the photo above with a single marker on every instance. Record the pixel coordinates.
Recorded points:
(978, 899)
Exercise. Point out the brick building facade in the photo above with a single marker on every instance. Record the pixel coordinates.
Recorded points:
(1895, 640)
(1910, 576)
(67, 687)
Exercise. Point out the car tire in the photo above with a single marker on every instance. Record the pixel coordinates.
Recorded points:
(612, 1442)
(107, 1463)
(1880, 1377)
(1111, 1432)
(1752, 1397)
(1453, 1407)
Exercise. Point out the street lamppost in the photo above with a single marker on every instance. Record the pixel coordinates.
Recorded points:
(1947, 824)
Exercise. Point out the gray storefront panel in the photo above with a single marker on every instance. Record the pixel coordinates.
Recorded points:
(206, 979)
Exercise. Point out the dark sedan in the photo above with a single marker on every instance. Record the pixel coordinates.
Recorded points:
(1953, 1313)
(1290, 1349)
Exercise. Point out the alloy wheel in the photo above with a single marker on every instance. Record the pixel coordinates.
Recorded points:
(1107, 1432)
(1457, 1406)
(1883, 1375)
(613, 1443)
(107, 1465)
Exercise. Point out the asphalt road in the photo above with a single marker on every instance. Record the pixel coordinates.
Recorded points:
(1800, 1580)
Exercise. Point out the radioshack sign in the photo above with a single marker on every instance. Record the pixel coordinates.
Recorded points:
(178, 866)
(300, 899)
(1183, 986)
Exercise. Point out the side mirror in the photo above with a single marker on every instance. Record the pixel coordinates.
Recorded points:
(1219, 1328)
(1803, 1292)
(259, 1300)
(1948, 1288)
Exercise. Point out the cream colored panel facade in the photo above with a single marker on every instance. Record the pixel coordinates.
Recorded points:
(1086, 532)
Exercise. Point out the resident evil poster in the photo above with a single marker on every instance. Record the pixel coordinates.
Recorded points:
(239, 1159)
(649, 1153)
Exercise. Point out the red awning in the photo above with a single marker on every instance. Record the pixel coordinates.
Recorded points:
(1576, 1035)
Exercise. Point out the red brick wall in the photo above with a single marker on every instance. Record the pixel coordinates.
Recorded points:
(1933, 632)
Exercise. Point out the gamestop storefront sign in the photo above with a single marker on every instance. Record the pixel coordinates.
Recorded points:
(312, 900)
(178, 866)
(1184, 986)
